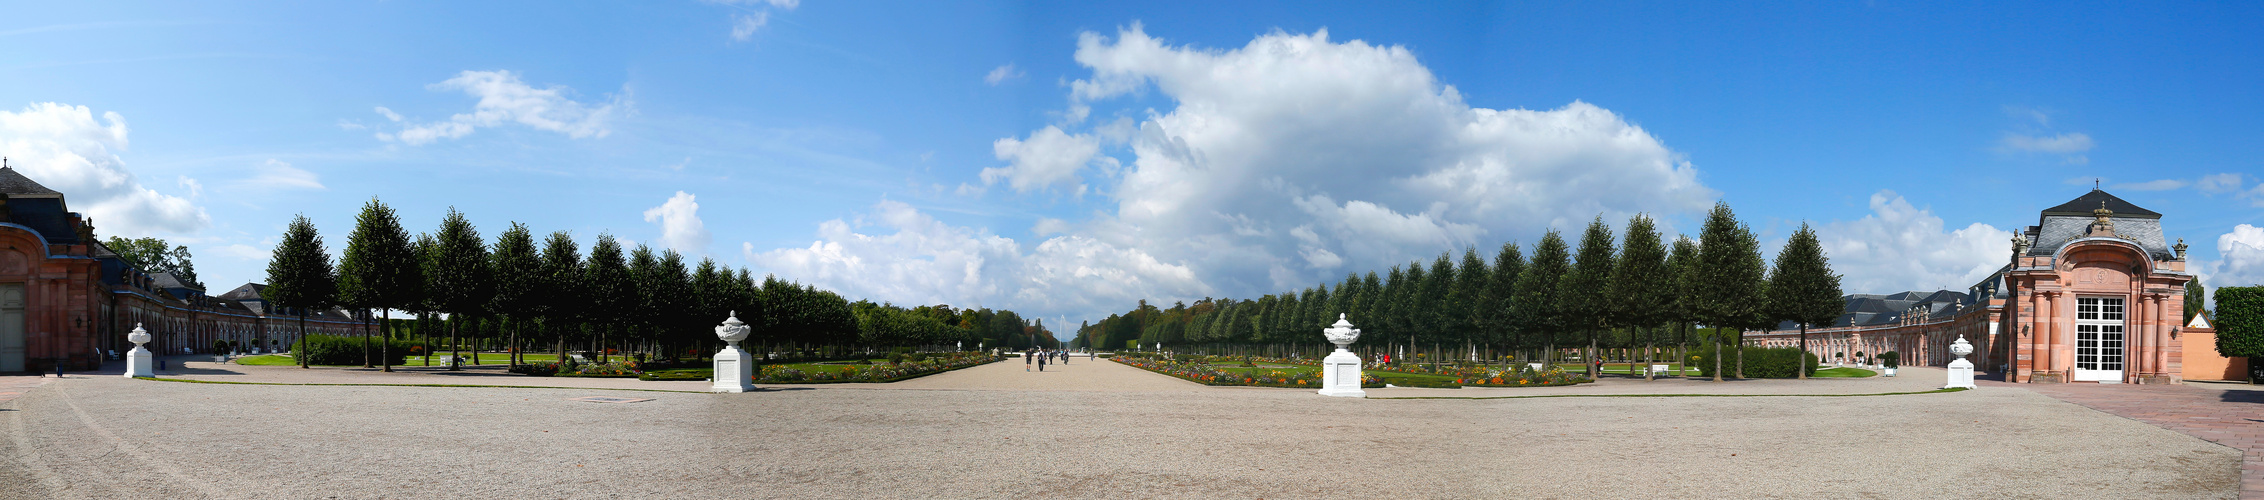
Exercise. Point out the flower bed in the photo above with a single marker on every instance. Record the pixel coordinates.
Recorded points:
(876, 373)
(1200, 371)
(1522, 377)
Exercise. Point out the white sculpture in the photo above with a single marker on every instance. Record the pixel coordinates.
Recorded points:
(1340, 372)
(734, 370)
(138, 361)
(1961, 371)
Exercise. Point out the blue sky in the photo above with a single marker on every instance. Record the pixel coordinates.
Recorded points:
(1066, 160)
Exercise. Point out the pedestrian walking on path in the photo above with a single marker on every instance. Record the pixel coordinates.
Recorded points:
(1042, 361)
(1027, 358)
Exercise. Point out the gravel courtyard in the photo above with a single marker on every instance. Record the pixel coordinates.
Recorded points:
(1088, 429)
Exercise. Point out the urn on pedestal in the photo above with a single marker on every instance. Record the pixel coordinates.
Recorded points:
(1961, 371)
(734, 369)
(138, 361)
(1340, 371)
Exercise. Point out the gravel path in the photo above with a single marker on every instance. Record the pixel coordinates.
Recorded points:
(995, 431)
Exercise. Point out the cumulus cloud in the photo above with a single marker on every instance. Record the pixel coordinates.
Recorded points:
(1257, 169)
(1900, 247)
(505, 99)
(920, 260)
(66, 149)
(1049, 156)
(1003, 73)
(275, 175)
(2240, 255)
(680, 225)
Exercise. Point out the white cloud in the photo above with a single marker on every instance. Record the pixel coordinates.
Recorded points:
(2070, 146)
(2240, 261)
(1048, 157)
(1900, 247)
(680, 225)
(2153, 185)
(1003, 73)
(1255, 169)
(744, 26)
(925, 261)
(195, 188)
(64, 148)
(2218, 183)
(1048, 226)
(275, 175)
(505, 99)
(245, 252)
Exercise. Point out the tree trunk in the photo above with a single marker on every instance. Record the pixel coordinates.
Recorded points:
(1595, 370)
(513, 350)
(385, 347)
(365, 345)
(425, 331)
(1802, 359)
(1717, 355)
(1650, 356)
(1741, 353)
(476, 329)
(304, 346)
(455, 349)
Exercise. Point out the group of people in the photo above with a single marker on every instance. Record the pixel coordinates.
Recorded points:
(1039, 358)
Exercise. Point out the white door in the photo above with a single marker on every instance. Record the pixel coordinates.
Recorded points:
(12, 327)
(2099, 339)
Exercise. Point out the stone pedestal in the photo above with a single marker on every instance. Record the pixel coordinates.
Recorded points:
(734, 371)
(139, 362)
(1340, 375)
(1961, 371)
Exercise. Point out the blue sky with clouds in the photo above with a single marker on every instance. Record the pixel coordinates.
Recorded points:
(1067, 160)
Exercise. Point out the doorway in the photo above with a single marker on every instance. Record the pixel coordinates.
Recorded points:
(12, 328)
(2099, 339)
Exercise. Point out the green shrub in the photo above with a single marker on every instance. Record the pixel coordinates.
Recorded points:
(1893, 359)
(346, 350)
(2240, 326)
(1760, 362)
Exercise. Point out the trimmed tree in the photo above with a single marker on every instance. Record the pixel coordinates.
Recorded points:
(1500, 313)
(461, 280)
(380, 271)
(300, 277)
(2195, 295)
(1803, 288)
(1730, 278)
(2240, 326)
(518, 282)
(1642, 286)
(1682, 272)
(568, 298)
(1586, 301)
(1538, 318)
(611, 288)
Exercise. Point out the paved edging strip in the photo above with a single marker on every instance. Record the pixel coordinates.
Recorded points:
(1936, 391)
(189, 381)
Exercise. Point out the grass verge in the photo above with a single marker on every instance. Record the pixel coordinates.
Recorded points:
(1935, 391)
(224, 382)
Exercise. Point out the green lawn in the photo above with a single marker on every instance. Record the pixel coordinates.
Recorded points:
(489, 358)
(485, 357)
(267, 360)
(1843, 372)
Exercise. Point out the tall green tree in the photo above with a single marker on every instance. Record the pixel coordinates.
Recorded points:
(299, 276)
(1682, 270)
(462, 280)
(1642, 287)
(2195, 295)
(156, 256)
(568, 296)
(519, 282)
(381, 270)
(1731, 278)
(1499, 316)
(1586, 300)
(1468, 298)
(1802, 289)
(1536, 301)
(612, 289)
(2240, 326)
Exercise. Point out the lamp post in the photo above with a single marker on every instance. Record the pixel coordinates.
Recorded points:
(138, 360)
(734, 370)
(1340, 372)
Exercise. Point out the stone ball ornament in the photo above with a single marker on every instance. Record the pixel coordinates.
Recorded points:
(1342, 333)
(732, 330)
(138, 336)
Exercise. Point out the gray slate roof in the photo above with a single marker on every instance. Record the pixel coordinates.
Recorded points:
(13, 183)
(2064, 224)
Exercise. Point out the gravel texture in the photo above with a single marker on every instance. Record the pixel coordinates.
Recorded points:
(1088, 429)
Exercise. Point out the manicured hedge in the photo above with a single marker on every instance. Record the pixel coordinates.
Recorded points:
(346, 350)
(2240, 326)
(1760, 362)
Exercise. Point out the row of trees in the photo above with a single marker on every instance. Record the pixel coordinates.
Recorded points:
(639, 299)
(1638, 292)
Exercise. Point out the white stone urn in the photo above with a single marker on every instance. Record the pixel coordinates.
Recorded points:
(139, 363)
(734, 369)
(1340, 371)
(1961, 371)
